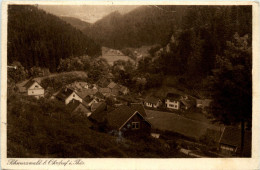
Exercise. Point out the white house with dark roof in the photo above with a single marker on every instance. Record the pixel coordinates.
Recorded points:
(173, 101)
(66, 95)
(34, 88)
(152, 102)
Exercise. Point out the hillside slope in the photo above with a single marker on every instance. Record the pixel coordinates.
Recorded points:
(36, 38)
(146, 25)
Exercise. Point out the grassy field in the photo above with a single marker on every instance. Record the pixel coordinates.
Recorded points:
(112, 55)
(179, 124)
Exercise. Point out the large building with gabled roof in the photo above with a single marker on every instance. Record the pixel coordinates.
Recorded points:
(125, 118)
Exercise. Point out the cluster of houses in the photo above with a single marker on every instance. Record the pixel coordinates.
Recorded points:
(171, 101)
(174, 101)
(88, 100)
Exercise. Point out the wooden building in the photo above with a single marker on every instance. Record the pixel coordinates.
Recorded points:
(125, 119)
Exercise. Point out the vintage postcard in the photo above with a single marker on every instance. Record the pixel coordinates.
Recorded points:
(130, 85)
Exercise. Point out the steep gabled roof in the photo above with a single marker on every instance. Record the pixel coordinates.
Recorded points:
(30, 83)
(120, 116)
(73, 104)
(99, 114)
(232, 137)
(98, 105)
(103, 82)
(112, 85)
(99, 95)
(151, 99)
(104, 90)
(64, 94)
(87, 92)
(139, 107)
(88, 99)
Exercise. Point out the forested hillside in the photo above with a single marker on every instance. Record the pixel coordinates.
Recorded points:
(194, 45)
(146, 25)
(36, 38)
(204, 32)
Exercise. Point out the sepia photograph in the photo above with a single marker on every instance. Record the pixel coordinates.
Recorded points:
(129, 81)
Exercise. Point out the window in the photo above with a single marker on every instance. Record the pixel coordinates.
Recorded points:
(73, 95)
(36, 86)
(135, 125)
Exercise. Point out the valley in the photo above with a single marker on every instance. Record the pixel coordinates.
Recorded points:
(154, 82)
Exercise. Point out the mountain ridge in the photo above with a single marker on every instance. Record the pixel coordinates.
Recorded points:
(145, 25)
(76, 22)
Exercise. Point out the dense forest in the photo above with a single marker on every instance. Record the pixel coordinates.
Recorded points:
(146, 25)
(191, 46)
(203, 35)
(36, 38)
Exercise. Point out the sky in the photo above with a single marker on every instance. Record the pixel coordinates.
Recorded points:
(88, 13)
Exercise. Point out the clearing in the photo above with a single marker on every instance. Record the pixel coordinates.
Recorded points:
(112, 55)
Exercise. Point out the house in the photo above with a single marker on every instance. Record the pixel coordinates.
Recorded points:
(77, 108)
(153, 102)
(95, 106)
(78, 86)
(173, 101)
(125, 118)
(88, 101)
(99, 96)
(123, 90)
(87, 92)
(230, 142)
(105, 91)
(99, 116)
(187, 103)
(103, 82)
(67, 94)
(138, 107)
(113, 85)
(114, 88)
(33, 88)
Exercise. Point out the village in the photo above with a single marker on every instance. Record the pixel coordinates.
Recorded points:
(143, 81)
(112, 108)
